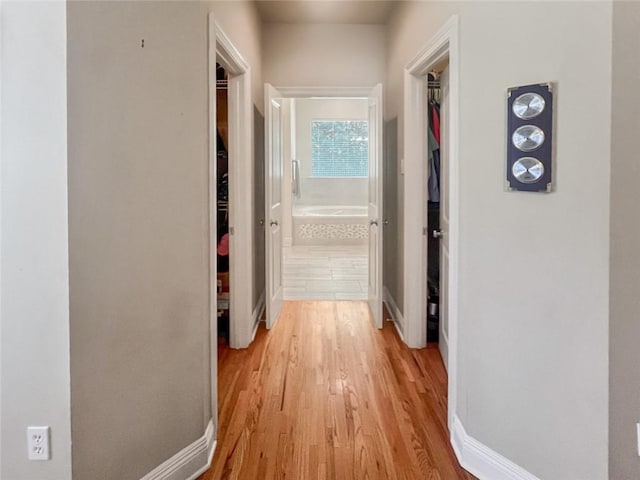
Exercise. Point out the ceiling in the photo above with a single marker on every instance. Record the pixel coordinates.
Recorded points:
(375, 12)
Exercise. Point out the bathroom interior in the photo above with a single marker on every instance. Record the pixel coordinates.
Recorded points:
(325, 228)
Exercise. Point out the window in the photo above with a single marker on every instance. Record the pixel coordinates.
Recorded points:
(339, 148)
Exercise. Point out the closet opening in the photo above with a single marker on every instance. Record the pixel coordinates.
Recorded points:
(437, 206)
(222, 211)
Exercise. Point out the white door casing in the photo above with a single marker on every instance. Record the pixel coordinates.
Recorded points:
(273, 191)
(221, 50)
(444, 44)
(375, 206)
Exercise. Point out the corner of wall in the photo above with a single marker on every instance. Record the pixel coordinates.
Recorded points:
(481, 460)
(190, 462)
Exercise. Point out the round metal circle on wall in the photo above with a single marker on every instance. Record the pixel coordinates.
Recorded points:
(528, 106)
(528, 138)
(528, 170)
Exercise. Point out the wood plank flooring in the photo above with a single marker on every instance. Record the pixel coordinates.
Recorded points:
(324, 395)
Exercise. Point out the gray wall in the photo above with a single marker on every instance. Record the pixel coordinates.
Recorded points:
(533, 342)
(258, 207)
(139, 243)
(624, 374)
(138, 233)
(310, 55)
(392, 255)
(35, 270)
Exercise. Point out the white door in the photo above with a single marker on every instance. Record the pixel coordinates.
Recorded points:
(443, 342)
(375, 205)
(273, 189)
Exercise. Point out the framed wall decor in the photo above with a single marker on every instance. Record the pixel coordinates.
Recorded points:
(530, 138)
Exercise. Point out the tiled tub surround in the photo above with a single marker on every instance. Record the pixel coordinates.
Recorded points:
(330, 225)
(325, 272)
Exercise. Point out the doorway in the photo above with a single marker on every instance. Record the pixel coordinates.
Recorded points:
(236, 202)
(324, 196)
(223, 264)
(440, 56)
(437, 206)
(230, 207)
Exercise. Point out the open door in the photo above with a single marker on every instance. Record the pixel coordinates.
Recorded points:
(375, 205)
(273, 189)
(443, 234)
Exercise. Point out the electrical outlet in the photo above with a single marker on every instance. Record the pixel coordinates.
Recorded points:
(38, 443)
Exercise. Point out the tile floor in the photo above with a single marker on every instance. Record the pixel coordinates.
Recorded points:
(325, 272)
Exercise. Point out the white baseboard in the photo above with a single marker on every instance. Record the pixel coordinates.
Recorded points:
(398, 320)
(206, 467)
(257, 313)
(190, 462)
(481, 461)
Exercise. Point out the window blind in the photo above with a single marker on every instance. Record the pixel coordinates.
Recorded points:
(339, 148)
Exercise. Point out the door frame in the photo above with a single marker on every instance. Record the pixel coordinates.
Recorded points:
(329, 92)
(224, 52)
(442, 45)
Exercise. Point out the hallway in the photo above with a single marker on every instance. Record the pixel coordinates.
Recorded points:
(326, 396)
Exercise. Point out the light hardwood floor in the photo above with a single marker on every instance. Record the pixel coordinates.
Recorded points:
(324, 395)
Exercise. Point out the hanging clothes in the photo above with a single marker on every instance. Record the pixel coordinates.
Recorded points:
(433, 185)
(434, 120)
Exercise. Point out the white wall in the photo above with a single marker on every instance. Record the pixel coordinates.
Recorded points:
(324, 55)
(624, 411)
(327, 191)
(533, 278)
(34, 273)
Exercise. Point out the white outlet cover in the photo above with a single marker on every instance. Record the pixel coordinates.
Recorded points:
(38, 443)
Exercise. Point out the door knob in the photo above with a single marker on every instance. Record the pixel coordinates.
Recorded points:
(437, 234)
(273, 223)
(373, 222)
(261, 222)
(386, 222)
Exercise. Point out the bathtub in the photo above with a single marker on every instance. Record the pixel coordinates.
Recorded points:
(330, 225)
